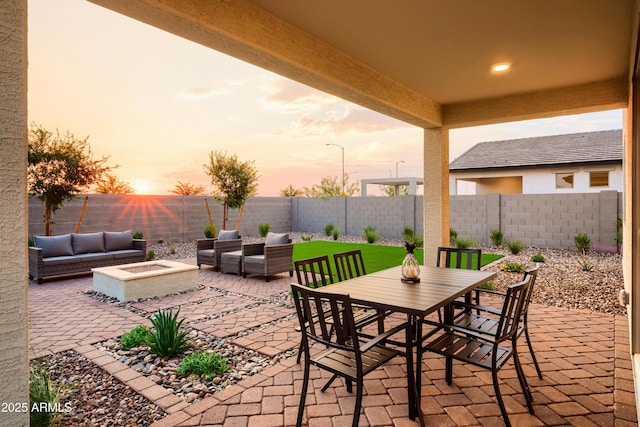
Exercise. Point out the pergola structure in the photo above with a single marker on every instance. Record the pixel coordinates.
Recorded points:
(426, 62)
(396, 183)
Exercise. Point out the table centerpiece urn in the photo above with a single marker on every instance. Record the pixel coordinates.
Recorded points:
(410, 269)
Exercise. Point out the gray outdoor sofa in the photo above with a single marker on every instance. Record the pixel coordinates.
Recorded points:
(79, 253)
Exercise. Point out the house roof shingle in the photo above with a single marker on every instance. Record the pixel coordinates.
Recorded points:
(586, 147)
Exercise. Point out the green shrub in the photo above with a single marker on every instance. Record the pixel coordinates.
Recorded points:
(135, 337)
(263, 229)
(306, 238)
(336, 233)
(167, 340)
(512, 267)
(617, 240)
(496, 237)
(515, 246)
(328, 229)
(583, 243)
(411, 238)
(488, 285)
(41, 390)
(453, 236)
(151, 255)
(31, 242)
(172, 250)
(538, 257)
(138, 235)
(371, 234)
(203, 363)
(585, 263)
(465, 243)
(209, 232)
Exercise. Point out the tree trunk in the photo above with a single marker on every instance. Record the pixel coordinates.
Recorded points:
(224, 215)
(239, 216)
(47, 218)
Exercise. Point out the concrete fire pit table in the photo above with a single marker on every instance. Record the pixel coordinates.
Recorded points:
(130, 282)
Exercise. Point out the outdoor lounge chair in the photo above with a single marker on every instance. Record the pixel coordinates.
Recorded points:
(209, 251)
(273, 256)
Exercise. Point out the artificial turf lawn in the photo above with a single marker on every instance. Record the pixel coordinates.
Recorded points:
(376, 257)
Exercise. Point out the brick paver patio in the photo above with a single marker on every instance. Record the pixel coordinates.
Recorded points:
(584, 358)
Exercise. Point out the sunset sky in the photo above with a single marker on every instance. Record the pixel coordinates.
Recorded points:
(157, 105)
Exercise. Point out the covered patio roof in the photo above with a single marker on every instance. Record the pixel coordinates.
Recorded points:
(425, 62)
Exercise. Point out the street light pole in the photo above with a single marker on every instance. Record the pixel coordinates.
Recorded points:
(399, 161)
(342, 148)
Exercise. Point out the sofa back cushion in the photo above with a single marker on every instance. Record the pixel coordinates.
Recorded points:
(276, 239)
(227, 234)
(118, 240)
(87, 242)
(54, 245)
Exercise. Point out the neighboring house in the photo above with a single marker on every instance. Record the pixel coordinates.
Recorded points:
(574, 163)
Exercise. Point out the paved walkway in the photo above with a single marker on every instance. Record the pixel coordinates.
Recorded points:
(584, 358)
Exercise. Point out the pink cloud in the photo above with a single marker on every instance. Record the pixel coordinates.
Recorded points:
(353, 121)
(222, 87)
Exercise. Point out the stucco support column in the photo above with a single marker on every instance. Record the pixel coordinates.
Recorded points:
(436, 192)
(14, 359)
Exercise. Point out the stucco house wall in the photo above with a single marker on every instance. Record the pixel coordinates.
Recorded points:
(13, 231)
(535, 180)
(532, 165)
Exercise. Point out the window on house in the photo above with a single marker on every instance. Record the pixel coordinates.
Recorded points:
(564, 180)
(599, 179)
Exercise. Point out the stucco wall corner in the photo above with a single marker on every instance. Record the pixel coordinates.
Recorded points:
(13, 211)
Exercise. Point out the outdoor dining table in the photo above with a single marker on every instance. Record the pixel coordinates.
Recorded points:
(438, 287)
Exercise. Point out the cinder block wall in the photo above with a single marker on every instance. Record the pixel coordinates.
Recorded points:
(389, 215)
(541, 220)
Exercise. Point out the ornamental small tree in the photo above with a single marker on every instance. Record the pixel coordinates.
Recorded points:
(112, 185)
(236, 181)
(59, 167)
(188, 189)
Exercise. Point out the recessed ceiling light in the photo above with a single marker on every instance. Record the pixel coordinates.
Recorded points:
(500, 67)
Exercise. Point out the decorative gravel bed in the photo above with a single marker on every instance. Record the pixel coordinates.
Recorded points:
(100, 400)
(241, 362)
(96, 398)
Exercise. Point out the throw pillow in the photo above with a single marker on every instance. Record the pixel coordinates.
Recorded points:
(276, 239)
(227, 234)
(54, 245)
(118, 240)
(87, 242)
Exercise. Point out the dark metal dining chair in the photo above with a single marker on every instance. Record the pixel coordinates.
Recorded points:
(483, 319)
(454, 257)
(347, 355)
(491, 352)
(349, 265)
(316, 273)
(313, 273)
(448, 257)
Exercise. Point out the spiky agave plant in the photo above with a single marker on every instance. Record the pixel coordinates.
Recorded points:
(167, 340)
